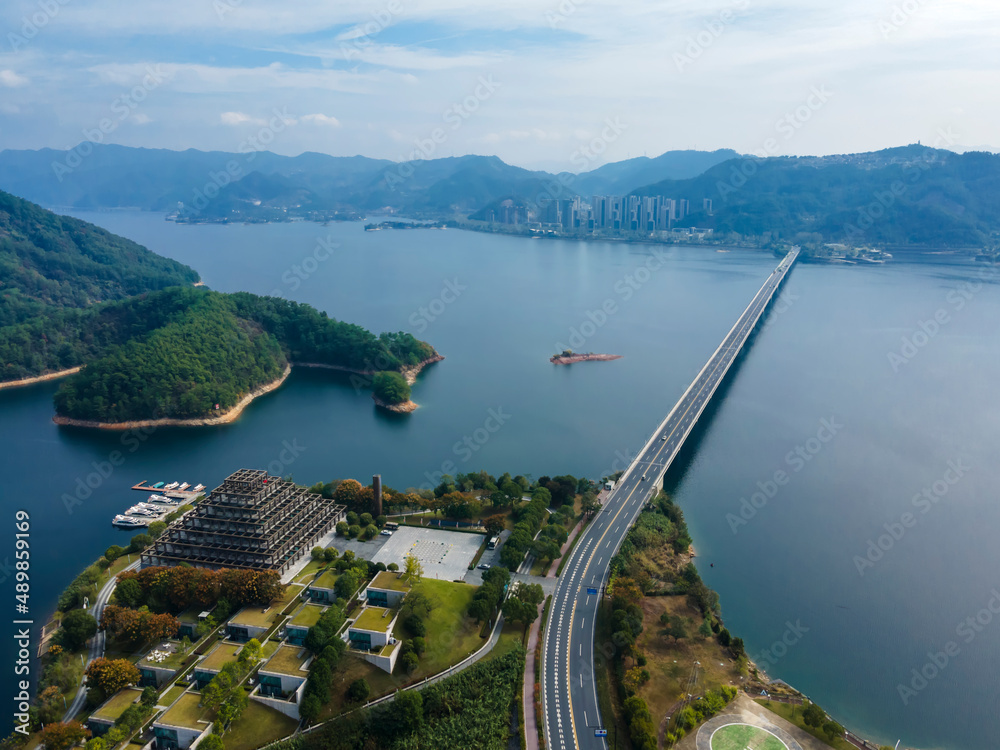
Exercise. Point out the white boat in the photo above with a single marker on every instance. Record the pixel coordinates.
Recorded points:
(198, 488)
(161, 500)
(128, 522)
(172, 486)
(184, 486)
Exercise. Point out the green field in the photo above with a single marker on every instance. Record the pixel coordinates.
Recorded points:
(745, 737)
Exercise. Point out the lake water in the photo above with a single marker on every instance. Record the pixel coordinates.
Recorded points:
(841, 619)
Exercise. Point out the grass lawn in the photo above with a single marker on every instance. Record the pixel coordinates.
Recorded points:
(258, 726)
(510, 639)
(311, 569)
(351, 668)
(793, 714)
(451, 634)
(186, 713)
(116, 705)
(670, 663)
(743, 736)
(170, 696)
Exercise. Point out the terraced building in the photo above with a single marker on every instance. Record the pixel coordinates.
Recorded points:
(250, 521)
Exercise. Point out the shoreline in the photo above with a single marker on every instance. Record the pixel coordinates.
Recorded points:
(40, 378)
(404, 407)
(410, 373)
(224, 418)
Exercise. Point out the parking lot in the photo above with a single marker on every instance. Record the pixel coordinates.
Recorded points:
(445, 555)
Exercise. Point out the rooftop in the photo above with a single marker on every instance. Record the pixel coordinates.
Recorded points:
(288, 660)
(115, 705)
(219, 655)
(185, 713)
(256, 617)
(164, 656)
(389, 581)
(307, 616)
(191, 615)
(376, 619)
(388, 648)
(326, 579)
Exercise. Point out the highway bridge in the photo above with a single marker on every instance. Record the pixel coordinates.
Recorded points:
(569, 691)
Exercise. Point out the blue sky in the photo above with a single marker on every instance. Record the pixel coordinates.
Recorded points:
(535, 82)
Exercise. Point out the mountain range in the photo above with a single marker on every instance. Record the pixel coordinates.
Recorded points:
(907, 196)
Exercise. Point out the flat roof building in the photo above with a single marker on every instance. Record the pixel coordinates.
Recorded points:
(251, 521)
(182, 725)
(387, 589)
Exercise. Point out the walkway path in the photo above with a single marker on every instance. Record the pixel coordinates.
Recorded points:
(96, 649)
(528, 691)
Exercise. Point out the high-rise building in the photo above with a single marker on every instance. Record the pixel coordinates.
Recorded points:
(250, 521)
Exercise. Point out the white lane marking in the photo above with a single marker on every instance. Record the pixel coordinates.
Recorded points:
(583, 622)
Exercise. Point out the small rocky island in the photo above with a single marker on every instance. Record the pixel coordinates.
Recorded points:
(568, 357)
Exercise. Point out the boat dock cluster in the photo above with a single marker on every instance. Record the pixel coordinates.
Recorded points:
(165, 499)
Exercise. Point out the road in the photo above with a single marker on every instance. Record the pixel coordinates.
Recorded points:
(569, 690)
(96, 647)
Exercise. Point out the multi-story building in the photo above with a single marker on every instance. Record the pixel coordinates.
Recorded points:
(251, 521)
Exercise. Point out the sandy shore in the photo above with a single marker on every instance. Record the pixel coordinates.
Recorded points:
(224, 418)
(402, 408)
(39, 378)
(557, 360)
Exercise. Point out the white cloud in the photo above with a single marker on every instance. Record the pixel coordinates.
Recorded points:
(240, 118)
(321, 119)
(11, 79)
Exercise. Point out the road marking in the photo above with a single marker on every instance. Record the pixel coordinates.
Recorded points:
(583, 622)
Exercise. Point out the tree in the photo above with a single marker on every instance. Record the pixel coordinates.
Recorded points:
(353, 519)
(408, 709)
(494, 524)
(50, 704)
(346, 584)
(60, 736)
(358, 691)
(371, 531)
(156, 529)
(677, 628)
(409, 661)
(212, 742)
(814, 716)
(414, 571)
(129, 593)
(112, 675)
(149, 696)
(415, 626)
(139, 542)
(250, 653)
(78, 627)
(342, 528)
(353, 531)
(365, 519)
(390, 388)
(318, 554)
(832, 730)
(113, 552)
(310, 708)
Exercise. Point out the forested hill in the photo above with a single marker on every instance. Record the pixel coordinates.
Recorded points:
(912, 195)
(73, 295)
(59, 261)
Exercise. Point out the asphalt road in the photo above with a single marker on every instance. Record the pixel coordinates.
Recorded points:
(95, 649)
(569, 691)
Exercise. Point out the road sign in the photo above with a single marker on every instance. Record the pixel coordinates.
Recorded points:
(600, 732)
(591, 592)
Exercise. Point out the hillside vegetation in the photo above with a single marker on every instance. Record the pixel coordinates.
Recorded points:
(72, 294)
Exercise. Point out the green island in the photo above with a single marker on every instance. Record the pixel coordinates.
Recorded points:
(149, 345)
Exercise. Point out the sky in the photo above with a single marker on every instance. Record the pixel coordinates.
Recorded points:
(553, 84)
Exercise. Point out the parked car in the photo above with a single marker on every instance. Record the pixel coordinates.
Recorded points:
(484, 566)
(385, 532)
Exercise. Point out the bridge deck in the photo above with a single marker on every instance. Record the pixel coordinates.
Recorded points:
(569, 691)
